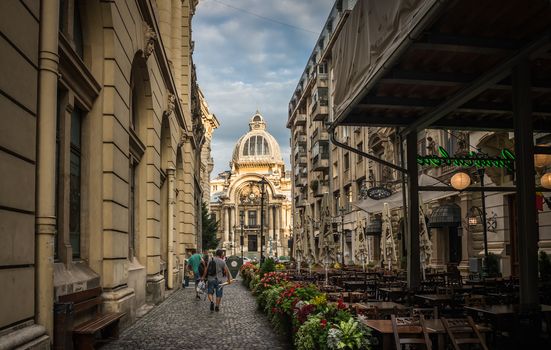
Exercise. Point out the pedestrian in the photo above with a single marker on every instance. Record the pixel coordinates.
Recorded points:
(216, 273)
(195, 262)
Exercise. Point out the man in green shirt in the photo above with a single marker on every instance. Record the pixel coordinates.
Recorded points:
(194, 262)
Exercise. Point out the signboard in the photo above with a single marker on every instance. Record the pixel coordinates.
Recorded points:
(378, 193)
(234, 264)
(506, 159)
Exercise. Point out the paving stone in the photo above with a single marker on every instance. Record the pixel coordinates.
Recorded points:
(182, 322)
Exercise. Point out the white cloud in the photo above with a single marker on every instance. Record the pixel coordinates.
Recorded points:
(245, 62)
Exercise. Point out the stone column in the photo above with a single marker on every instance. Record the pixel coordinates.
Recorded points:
(170, 228)
(465, 239)
(226, 224)
(46, 163)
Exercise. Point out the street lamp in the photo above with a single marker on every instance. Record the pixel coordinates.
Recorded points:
(241, 221)
(262, 184)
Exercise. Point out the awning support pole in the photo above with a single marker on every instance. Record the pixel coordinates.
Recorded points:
(413, 257)
(363, 154)
(526, 196)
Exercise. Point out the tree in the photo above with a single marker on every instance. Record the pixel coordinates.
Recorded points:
(210, 228)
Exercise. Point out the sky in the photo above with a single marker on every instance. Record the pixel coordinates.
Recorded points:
(250, 56)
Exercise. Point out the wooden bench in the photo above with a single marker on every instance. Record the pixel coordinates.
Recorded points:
(89, 301)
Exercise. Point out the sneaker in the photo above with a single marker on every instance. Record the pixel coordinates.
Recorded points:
(217, 308)
(212, 306)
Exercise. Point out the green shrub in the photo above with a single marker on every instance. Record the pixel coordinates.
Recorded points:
(267, 266)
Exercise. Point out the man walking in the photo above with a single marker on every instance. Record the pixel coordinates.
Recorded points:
(216, 273)
(195, 262)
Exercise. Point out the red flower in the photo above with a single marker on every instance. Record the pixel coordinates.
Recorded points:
(323, 323)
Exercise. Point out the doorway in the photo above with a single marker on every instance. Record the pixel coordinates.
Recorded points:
(454, 244)
(252, 244)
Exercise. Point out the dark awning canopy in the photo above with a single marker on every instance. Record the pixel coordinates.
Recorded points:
(452, 71)
(374, 228)
(446, 215)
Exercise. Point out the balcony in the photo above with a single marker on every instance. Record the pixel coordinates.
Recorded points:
(299, 151)
(300, 119)
(319, 187)
(320, 110)
(301, 201)
(320, 162)
(301, 159)
(320, 134)
(300, 138)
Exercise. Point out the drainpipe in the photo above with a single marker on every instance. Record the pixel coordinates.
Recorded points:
(170, 228)
(46, 164)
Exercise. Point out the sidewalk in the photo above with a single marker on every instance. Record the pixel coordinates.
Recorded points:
(181, 322)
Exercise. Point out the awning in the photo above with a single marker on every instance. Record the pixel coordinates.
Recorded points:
(395, 201)
(446, 215)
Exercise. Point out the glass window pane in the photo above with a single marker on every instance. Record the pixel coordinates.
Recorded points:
(74, 202)
(75, 128)
(77, 32)
(246, 148)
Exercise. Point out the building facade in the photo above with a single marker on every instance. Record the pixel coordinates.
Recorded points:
(237, 199)
(372, 230)
(100, 151)
(210, 123)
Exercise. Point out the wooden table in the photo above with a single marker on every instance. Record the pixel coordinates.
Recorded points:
(434, 327)
(381, 305)
(391, 292)
(436, 299)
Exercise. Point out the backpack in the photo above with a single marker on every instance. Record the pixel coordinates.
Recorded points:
(211, 268)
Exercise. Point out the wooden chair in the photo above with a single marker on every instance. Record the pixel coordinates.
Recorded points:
(429, 312)
(414, 326)
(457, 328)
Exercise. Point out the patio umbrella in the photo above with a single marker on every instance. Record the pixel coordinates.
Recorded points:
(388, 243)
(310, 239)
(425, 245)
(298, 243)
(362, 248)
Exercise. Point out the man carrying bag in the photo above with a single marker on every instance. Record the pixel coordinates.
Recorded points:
(216, 273)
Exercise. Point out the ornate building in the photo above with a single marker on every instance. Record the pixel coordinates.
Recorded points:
(100, 146)
(210, 123)
(236, 198)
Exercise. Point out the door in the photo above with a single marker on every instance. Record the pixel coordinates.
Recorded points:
(253, 243)
(454, 245)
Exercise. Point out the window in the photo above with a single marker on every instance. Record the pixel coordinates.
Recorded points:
(70, 24)
(252, 218)
(132, 209)
(360, 147)
(74, 182)
(346, 161)
(336, 196)
(348, 197)
(213, 217)
(256, 145)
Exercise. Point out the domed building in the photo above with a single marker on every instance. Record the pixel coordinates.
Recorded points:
(236, 200)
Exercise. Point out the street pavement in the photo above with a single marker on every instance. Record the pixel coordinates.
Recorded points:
(181, 322)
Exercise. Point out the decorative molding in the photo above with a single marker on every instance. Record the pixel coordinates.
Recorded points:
(171, 103)
(150, 37)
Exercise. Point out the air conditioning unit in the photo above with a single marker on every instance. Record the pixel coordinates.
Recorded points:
(475, 265)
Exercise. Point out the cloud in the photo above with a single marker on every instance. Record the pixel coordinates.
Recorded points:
(245, 62)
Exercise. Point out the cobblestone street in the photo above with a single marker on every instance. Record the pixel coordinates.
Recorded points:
(181, 322)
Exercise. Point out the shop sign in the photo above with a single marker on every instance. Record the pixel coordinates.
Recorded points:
(378, 193)
(506, 160)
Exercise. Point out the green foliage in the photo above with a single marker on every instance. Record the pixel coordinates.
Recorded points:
(210, 228)
(312, 334)
(267, 266)
(544, 266)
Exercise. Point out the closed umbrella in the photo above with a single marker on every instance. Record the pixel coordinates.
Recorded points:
(389, 243)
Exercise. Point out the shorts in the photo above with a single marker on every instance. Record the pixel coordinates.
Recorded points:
(212, 285)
